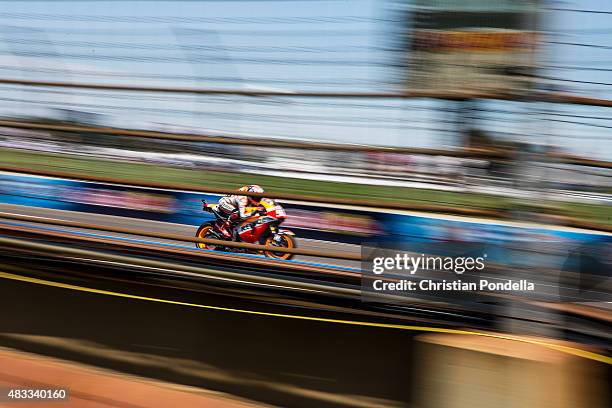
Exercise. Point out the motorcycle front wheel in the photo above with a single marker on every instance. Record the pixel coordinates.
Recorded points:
(203, 232)
(286, 241)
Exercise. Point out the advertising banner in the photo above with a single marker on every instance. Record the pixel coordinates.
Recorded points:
(318, 221)
(471, 45)
(181, 207)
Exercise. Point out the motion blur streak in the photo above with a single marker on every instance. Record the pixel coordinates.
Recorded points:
(201, 191)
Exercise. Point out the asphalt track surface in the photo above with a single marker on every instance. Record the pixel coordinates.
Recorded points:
(545, 288)
(168, 228)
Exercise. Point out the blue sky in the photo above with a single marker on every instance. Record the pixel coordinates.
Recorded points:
(248, 44)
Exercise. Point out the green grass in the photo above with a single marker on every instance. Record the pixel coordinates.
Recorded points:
(231, 180)
(598, 213)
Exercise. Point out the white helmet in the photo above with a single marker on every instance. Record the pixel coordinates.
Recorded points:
(253, 188)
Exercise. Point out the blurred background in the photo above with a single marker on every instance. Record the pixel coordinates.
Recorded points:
(371, 120)
(520, 53)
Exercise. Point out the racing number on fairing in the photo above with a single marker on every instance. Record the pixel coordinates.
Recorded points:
(244, 228)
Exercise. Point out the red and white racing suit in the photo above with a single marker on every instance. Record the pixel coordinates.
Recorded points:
(233, 209)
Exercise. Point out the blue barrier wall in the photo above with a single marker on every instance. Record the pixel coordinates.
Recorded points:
(310, 221)
(182, 207)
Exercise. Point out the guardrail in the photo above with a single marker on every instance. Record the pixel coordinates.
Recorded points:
(177, 237)
(246, 92)
(130, 231)
(285, 283)
(169, 251)
(234, 140)
(541, 96)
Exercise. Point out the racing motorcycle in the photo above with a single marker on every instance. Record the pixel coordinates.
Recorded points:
(262, 228)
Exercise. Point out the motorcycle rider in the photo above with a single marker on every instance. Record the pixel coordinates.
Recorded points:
(232, 208)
